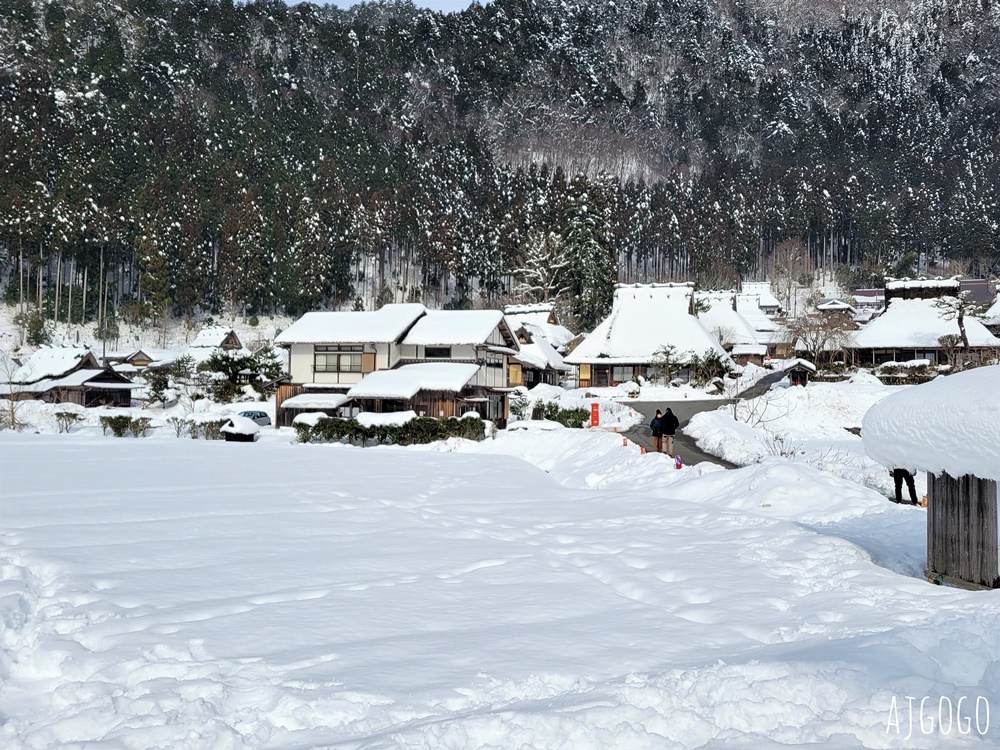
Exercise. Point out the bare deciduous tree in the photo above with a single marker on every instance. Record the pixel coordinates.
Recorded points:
(817, 333)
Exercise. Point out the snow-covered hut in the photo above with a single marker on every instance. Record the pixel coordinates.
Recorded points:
(643, 319)
(835, 306)
(240, 430)
(950, 428)
(798, 371)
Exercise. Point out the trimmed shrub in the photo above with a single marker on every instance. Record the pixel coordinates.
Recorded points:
(118, 424)
(140, 426)
(213, 429)
(572, 417)
(303, 433)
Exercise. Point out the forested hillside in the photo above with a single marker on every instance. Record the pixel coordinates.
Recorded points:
(162, 157)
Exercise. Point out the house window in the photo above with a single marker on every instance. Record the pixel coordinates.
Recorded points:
(437, 352)
(622, 373)
(337, 359)
(515, 375)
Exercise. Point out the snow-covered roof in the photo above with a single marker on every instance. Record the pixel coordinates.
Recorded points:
(938, 283)
(71, 380)
(836, 305)
(155, 355)
(557, 335)
(761, 290)
(384, 325)
(950, 424)
(541, 355)
(212, 336)
(722, 320)
(748, 306)
(758, 349)
(454, 327)
(645, 317)
(992, 315)
(52, 362)
(790, 364)
(916, 323)
(537, 312)
(408, 380)
(315, 401)
(870, 297)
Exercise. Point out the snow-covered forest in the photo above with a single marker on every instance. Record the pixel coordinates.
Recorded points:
(164, 158)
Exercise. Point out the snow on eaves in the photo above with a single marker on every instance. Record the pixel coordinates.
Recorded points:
(406, 381)
(453, 327)
(541, 355)
(315, 401)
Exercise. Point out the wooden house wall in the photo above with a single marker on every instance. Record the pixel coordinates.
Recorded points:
(962, 530)
(284, 417)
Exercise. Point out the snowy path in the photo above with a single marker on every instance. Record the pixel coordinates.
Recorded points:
(174, 593)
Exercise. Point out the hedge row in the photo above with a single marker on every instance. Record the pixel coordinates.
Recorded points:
(122, 423)
(415, 432)
(553, 412)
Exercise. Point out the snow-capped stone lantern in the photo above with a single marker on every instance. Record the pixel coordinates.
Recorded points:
(950, 428)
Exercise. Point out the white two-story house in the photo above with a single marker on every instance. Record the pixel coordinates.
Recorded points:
(332, 355)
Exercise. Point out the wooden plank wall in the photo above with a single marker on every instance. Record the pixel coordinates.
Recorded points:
(283, 418)
(962, 529)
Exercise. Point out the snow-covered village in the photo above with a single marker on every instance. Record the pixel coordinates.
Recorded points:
(514, 375)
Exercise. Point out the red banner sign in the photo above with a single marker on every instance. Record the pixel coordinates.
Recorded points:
(595, 415)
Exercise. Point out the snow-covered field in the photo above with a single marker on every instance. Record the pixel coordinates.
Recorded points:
(547, 589)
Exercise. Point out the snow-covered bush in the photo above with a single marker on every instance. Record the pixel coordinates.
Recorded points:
(117, 423)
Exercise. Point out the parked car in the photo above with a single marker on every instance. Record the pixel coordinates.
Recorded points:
(260, 417)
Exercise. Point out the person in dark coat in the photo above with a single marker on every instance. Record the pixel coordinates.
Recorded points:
(898, 477)
(656, 427)
(669, 424)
